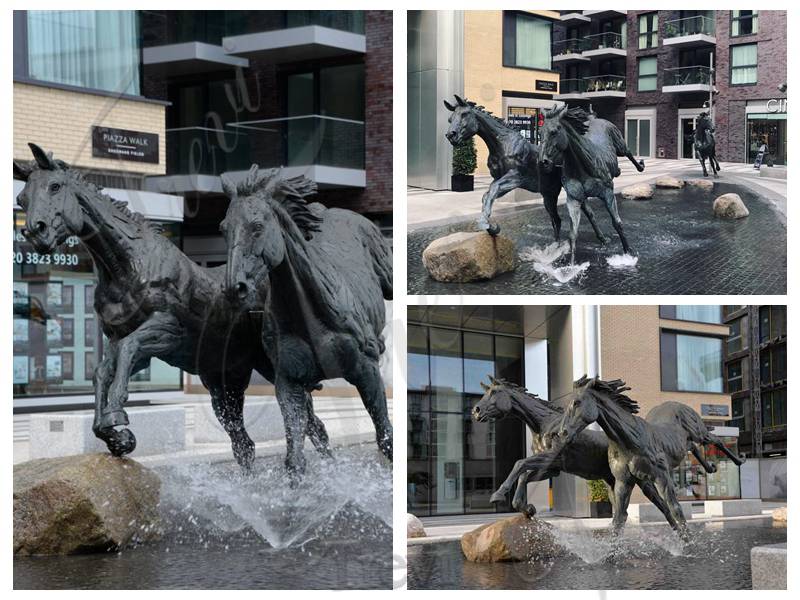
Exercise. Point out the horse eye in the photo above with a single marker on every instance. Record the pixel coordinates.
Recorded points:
(258, 227)
(54, 187)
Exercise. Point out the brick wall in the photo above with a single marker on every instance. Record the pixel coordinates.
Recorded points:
(61, 121)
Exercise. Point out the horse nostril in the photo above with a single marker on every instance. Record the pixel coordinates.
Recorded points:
(241, 289)
(41, 226)
(24, 232)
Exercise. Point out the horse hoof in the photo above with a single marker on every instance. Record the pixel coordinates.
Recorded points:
(121, 442)
(493, 230)
(112, 419)
(498, 496)
(529, 511)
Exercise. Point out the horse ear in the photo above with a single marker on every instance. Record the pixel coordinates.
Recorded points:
(460, 100)
(228, 186)
(22, 170)
(484, 387)
(449, 106)
(44, 160)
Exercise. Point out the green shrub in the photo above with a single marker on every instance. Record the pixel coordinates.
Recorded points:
(465, 158)
(598, 490)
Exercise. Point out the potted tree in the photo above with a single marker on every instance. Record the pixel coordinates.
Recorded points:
(465, 161)
(599, 504)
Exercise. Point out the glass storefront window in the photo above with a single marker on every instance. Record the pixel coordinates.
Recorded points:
(96, 49)
(54, 328)
(769, 129)
(693, 483)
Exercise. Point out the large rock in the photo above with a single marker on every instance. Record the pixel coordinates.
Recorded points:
(638, 191)
(668, 182)
(730, 206)
(517, 538)
(779, 515)
(414, 527)
(468, 256)
(78, 504)
(705, 185)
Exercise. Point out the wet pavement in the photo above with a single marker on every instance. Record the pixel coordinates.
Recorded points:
(681, 247)
(718, 557)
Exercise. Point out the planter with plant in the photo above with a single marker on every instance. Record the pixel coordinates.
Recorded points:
(599, 504)
(465, 161)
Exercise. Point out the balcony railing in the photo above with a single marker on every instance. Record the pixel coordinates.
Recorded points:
(696, 25)
(608, 39)
(605, 83)
(285, 141)
(687, 76)
(572, 86)
(570, 46)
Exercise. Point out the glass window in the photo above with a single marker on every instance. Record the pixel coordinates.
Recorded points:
(744, 64)
(648, 30)
(701, 313)
(447, 370)
(648, 73)
(737, 340)
(691, 363)
(744, 22)
(526, 41)
(734, 376)
(96, 49)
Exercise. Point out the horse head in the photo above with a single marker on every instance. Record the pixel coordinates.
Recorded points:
(255, 227)
(496, 402)
(463, 122)
(581, 411)
(50, 201)
(560, 123)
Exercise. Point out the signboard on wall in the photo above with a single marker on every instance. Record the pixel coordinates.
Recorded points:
(124, 144)
(714, 410)
(542, 85)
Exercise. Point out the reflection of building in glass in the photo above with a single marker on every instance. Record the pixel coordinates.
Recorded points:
(664, 353)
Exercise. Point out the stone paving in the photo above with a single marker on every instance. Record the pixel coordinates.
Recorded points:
(682, 248)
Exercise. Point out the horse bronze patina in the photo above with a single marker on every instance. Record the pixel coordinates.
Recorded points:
(320, 276)
(705, 146)
(585, 456)
(585, 149)
(151, 300)
(640, 451)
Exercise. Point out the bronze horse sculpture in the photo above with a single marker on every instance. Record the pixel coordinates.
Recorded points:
(705, 146)
(320, 276)
(585, 150)
(585, 456)
(640, 451)
(151, 300)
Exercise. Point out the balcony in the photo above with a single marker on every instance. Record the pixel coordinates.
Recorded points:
(605, 86)
(574, 17)
(603, 14)
(680, 80)
(604, 45)
(328, 150)
(569, 50)
(188, 58)
(571, 89)
(689, 31)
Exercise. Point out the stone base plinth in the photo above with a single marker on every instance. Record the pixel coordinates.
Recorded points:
(648, 513)
(732, 508)
(768, 567)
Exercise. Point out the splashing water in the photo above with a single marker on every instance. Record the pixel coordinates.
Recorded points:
(561, 274)
(350, 495)
(544, 256)
(622, 261)
(593, 547)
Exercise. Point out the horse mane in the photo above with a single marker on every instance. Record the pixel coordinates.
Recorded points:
(613, 389)
(574, 119)
(484, 111)
(289, 194)
(523, 390)
(78, 178)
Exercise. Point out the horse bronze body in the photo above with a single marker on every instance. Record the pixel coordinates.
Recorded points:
(320, 276)
(705, 146)
(640, 451)
(151, 300)
(585, 150)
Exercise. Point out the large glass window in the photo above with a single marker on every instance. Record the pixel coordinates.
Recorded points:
(772, 322)
(648, 73)
(744, 64)
(737, 340)
(97, 49)
(691, 363)
(54, 328)
(648, 31)
(773, 408)
(693, 483)
(744, 22)
(735, 375)
(701, 313)
(526, 41)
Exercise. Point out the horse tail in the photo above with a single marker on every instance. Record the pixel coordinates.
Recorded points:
(381, 256)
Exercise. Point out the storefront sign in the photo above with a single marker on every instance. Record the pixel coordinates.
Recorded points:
(546, 86)
(123, 144)
(776, 105)
(714, 410)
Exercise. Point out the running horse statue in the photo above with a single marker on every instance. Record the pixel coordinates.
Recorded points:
(640, 451)
(151, 301)
(321, 277)
(584, 149)
(705, 146)
(585, 456)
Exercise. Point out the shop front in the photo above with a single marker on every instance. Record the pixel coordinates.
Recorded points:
(766, 124)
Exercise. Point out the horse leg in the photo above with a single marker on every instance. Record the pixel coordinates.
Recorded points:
(703, 164)
(520, 494)
(716, 162)
(663, 484)
(710, 438)
(610, 482)
(709, 467)
(228, 404)
(639, 164)
(316, 431)
(293, 403)
(549, 185)
(103, 376)
(534, 464)
(590, 215)
(622, 496)
(499, 187)
(611, 205)
(156, 336)
(652, 494)
(574, 209)
(369, 383)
